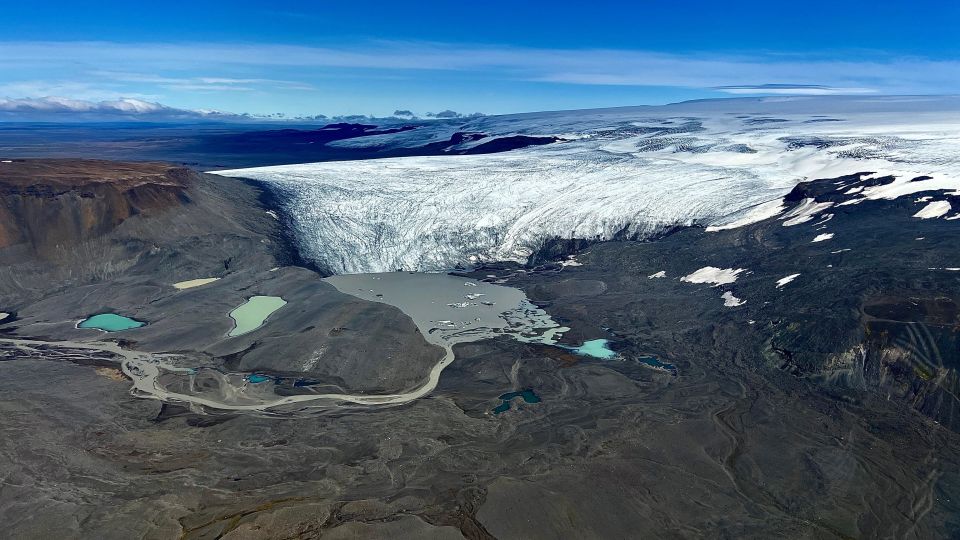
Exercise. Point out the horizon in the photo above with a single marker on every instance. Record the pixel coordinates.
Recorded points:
(333, 60)
(107, 113)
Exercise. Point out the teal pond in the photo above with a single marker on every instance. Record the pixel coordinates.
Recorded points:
(110, 322)
(528, 395)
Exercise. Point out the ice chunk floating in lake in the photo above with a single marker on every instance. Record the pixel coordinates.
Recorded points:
(635, 170)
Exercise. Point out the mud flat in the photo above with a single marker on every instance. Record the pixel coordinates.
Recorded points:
(191, 283)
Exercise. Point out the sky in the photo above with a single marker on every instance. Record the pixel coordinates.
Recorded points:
(374, 58)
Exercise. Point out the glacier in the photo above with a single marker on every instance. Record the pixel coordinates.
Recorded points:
(632, 171)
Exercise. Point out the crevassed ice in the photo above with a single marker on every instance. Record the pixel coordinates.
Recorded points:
(636, 170)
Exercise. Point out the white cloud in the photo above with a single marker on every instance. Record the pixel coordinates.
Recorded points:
(190, 82)
(227, 65)
(118, 108)
(794, 89)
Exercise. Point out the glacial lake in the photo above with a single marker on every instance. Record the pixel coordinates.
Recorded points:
(253, 313)
(597, 348)
(110, 322)
(449, 309)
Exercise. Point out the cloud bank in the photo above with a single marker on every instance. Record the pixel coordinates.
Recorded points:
(248, 75)
(142, 62)
(119, 109)
(794, 89)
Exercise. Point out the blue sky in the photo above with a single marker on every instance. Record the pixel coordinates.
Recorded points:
(368, 57)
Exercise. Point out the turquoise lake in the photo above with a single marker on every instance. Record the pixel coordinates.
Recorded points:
(110, 322)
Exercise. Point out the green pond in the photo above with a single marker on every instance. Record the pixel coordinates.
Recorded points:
(110, 322)
(252, 314)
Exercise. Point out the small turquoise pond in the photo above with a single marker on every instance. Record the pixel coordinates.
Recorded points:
(257, 378)
(596, 348)
(528, 395)
(110, 322)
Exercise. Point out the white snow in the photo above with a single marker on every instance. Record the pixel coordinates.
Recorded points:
(714, 275)
(903, 186)
(823, 237)
(639, 169)
(804, 212)
(730, 300)
(757, 214)
(826, 218)
(934, 210)
(659, 274)
(784, 280)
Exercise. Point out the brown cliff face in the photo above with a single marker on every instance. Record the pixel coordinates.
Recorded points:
(47, 203)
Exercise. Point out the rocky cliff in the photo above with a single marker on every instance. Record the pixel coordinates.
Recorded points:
(50, 203)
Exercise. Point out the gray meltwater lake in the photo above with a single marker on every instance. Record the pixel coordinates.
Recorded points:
(450, 310)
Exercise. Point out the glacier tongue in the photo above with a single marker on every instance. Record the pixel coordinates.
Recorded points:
(638, 170)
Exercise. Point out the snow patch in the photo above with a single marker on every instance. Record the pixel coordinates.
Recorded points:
(804, 212)
(934, 210)
(784, 280)
(759, 213)
(730, 300)
(714, 275)
(903, 186)
(826, 218)
(823, 237)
